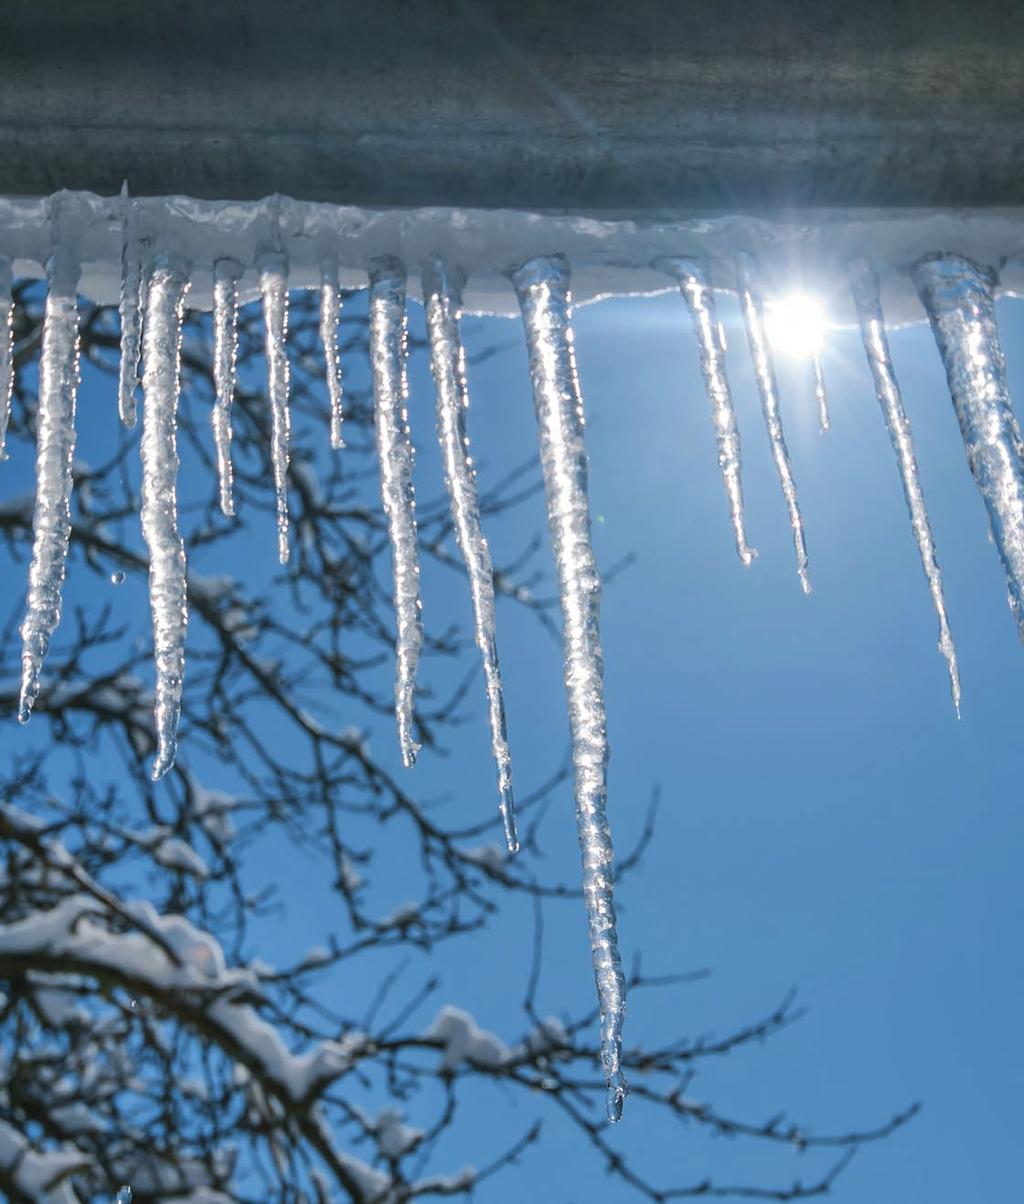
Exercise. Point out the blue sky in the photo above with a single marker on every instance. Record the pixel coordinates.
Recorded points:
(826, 823)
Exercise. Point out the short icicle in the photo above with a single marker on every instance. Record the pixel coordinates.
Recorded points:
(330, 314)
(542, 286)
(760, 352)
(957, 294)
(693, 283)
(273, 269)
(388, 349)
(161, 381)
(864, 286)
(55, 448)
(6, 350)
(820, 393)
(442, 296)
(132, 293)
(226, 273)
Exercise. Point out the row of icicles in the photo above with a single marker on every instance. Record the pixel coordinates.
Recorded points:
(956, 293)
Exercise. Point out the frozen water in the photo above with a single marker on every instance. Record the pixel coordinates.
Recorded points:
(330, 314)
(165, 305)
(820, 394)
(388, 350)
(6, 351)
(542, 286)
(225, 354)
(864, 285)
(958, 297)
(55, 447)
(273, 266)
(132, 300)
(223, 248)
(760, 352)
(442, 293)
(693, 283)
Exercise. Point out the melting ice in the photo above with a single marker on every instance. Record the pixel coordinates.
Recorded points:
(155, 277)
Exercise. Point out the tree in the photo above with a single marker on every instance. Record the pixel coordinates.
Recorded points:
(144, 1042)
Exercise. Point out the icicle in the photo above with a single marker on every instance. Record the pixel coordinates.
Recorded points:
(753, 312)
(442, 296)
(958, 297)
(165, 306)
(6, 351)
(693, 284)
(55, 448)
(394, 447)
(273, 268)
(820, 396)
(225, 354)
(330, 313)
(132, 290)
(864, 286)
(542, 286)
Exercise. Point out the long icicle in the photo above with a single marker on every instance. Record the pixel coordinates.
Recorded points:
(760, 353)
(388, 349)
(442, 296)
(6, 350)
(864, 286)
(957, 294)
(226, 273)
(161, 382)
(330, 314)
(693, 283)
(542, 286)
(55, 448)
(273, 269)
(132, 293)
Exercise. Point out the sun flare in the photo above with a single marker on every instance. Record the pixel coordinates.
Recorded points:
(796, 325)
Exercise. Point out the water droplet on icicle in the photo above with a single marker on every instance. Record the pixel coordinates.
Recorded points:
(542, 286)
(117, 577)
(6, 351)
(273, 268)
(226, 273)
(693, 284)
(957, 294)
(388, 349)
(161, 382)
(864, 286)
(442, 297)
(330, 315)
(760, 353)
(132, 300)
(55, 447)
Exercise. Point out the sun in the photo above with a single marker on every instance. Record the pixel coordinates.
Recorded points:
(796, 325)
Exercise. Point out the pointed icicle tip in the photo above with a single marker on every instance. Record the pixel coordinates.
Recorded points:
(543, 289)
(957, 294)
(442, 298)
(388, 351)
(55, 448)
(752, 303)
(168, 593)
(692, 278)
(615, 1097)
(864, 287)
